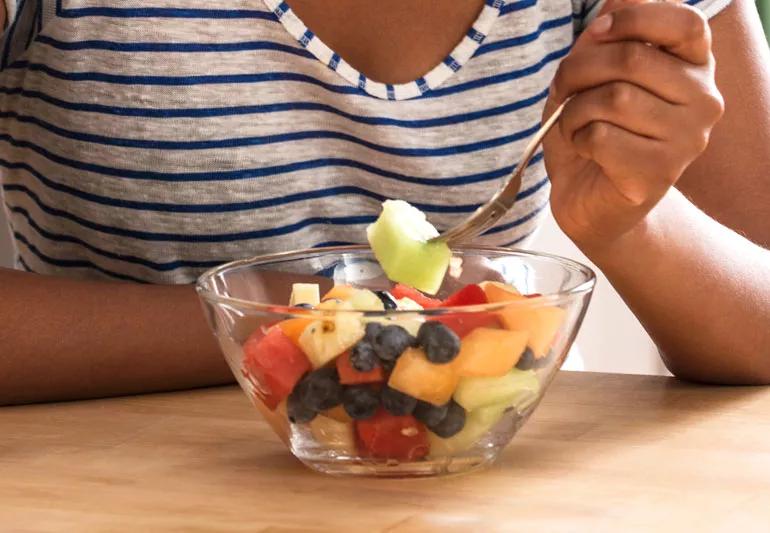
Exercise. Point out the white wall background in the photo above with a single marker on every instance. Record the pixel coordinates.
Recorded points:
(611, 339)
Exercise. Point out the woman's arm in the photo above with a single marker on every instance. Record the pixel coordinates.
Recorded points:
(700, 289)
(63, 339)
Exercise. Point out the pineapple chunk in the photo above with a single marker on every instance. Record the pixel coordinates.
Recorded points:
(305, 293)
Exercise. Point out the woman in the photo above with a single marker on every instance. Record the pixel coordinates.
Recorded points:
(146, 142)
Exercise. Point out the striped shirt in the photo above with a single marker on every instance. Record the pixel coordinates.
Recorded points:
(147, 140)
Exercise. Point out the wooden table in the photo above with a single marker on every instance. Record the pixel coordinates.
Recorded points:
(603, 453)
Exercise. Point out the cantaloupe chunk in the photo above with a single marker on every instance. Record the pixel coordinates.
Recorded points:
(542, 323)
(490, 352)
(294, 327)
(339, 292)
(416, 376)
(500, 292)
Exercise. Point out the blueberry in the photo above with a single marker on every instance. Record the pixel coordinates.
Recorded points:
(397, 403)
(527, 360)
(298, 412)
(372, 330)
(429, 414)
(387, 366)
(387, 300)
(440, 343)
(452, 424)
(320, 389)
(363, 357)
(304, 306)
(360, 401)
(391, 342)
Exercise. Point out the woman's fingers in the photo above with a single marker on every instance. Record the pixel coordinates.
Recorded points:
(625, 105)
(634, 62)
(640, 168)
(677, 28)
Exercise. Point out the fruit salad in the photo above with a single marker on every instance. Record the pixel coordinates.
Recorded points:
(405, 385)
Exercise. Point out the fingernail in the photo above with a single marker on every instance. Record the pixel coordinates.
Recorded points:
(601, 25)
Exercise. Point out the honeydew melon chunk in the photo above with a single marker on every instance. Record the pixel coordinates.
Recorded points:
(399, 239)
(326, 338)
(407, 304)
(366, 300)
(305, 293)
(477, 424)
(517, 388)
(334, 435)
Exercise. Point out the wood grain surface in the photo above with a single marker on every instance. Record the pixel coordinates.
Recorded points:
(602, 453)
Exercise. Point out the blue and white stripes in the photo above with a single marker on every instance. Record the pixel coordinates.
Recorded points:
(144, 141)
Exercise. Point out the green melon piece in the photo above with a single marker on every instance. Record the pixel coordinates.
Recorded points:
(366, 300)
(399, 239)
(477, 424)
(517, 388)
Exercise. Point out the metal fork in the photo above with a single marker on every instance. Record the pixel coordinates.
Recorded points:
(486, 215)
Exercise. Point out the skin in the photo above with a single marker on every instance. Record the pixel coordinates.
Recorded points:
(631, 183)
(633, 169)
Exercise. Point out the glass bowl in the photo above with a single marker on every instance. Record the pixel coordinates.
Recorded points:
(499, 383)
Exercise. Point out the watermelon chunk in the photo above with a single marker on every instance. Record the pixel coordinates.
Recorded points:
(469, 295)
(276, 364)
(404, 291)
(386, 436)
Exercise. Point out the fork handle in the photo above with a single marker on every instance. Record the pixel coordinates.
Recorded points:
(503, 200)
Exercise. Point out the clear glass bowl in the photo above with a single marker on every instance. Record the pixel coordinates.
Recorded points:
(243, 300)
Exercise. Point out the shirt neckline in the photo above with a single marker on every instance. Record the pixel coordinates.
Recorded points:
(437, 76)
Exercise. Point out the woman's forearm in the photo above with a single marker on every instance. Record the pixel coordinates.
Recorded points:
(64, 339)
(700, 289)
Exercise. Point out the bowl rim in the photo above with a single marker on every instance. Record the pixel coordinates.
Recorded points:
(209, 295)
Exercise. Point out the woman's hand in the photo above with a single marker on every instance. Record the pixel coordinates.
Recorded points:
(643, 103)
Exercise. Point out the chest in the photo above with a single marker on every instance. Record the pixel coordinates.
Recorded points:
(392, 41)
